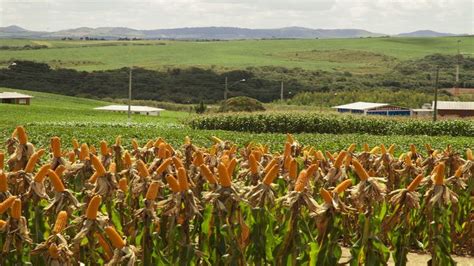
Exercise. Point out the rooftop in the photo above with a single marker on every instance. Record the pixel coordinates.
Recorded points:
(360, 106)
(134, 108)
(451, 105)
(13, 95)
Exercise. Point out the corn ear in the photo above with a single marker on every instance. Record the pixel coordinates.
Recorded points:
(413, 149)
(253, 165)
(6, 204)
(105, 246)
(16, 209)
(116, 240)
(122, 184)
(2, 224)
(391, 149)
(56, 147)
(198, 159)
(21, 133)
(162, 150)
(311, 170)
(173, 183)
(360, 171)
(325, 195)
(342, 186)
(206, 172)
(41, 175)
(340, 159)
(2, 160)
(224, 178)
(271, 175)
(93, 177)
(61, 222)
(93, 207)
(71, 157)
(84, 153)
(351, 148)
(152, 191)
(75, 144)
(469, 155)
(301, 181)
(293, 171)
(287, 151)
(366, 147)
(329, 155)
(127, 159)
(135, 144)
(167, 162)
(414, 184)
(56, 181)
(30, 166)
(177, 162)
(231, 166)
(269, 166)
(142, 169)
(439, 175)
(3, 182)
(99, 167)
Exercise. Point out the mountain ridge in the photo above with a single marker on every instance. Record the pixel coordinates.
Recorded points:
(214, 32)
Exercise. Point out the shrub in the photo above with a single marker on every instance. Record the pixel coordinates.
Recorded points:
(241, 104)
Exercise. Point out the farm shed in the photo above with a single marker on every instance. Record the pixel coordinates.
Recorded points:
(15, 98)
(452, 108)
(367, 108)
(142, 110)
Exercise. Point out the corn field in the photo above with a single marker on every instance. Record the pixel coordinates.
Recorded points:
(155, 204)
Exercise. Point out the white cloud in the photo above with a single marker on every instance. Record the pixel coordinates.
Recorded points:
(385, 16)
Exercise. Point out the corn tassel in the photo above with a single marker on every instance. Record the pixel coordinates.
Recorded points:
(56, 147)
(122, 184)
(439, 175)
(30, 166)
(152, 191)
(6, 204)
(93, 207)
(21, 133)
(224, 178)
(41, 175)
(61, 222)
(360, 171)
(271, 175)
(208, 174)
(56, 181)
(183, 179)
(16, 209)
(414, 184)
(116, 240)
(53, 251)
(325, 195)
(173, 183)
(142, 169)
(99, 167)
(253, 165)
(3, 182)
(301, 181)
(342, 186)
(340, 159)
(163, 166)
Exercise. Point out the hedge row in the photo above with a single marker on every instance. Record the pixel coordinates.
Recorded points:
(332, 124)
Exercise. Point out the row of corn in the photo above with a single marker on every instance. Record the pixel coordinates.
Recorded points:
(155, 204)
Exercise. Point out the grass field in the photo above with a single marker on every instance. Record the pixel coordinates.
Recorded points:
(69, 117)
(365, 55)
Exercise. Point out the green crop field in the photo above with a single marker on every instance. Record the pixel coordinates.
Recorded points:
(69, 117)
(365, 55)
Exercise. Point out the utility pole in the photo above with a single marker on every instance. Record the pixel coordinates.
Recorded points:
(281, 91)
(130, 96)
(435, 107)
(457, 65)
(225, 89)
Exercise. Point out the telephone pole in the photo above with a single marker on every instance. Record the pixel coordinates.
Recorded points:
(281, 91)
(435, 107)
(457, 65)
(130, 96)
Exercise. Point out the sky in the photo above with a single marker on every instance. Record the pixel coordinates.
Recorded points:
(380, 16)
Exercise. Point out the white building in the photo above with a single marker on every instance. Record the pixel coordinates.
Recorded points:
(15, 98)
(142, 110)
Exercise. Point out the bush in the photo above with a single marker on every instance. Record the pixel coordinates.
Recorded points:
(200, 108)
(331, 124)
(241, 104)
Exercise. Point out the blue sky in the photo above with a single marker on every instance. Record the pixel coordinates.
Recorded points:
(382, 16)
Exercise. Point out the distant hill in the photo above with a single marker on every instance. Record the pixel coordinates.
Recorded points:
(223, 33)
(425, 33)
